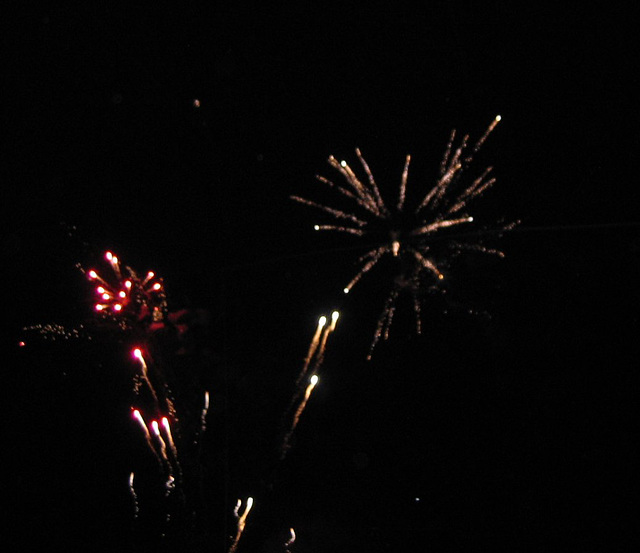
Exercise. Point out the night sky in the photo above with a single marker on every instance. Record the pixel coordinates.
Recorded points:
(174, 137)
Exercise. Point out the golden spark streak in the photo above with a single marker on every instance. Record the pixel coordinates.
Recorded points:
(242, 520)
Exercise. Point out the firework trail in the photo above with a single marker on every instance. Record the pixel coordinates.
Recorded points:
(408, 233)
(307, 394)
(147, 434)
(318, 345)
(134, 496)
(241, 520)
(137, 353)
(313, 360)
(290, 541)
(285, 446)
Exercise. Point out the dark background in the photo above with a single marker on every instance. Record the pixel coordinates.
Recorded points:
(508, 424)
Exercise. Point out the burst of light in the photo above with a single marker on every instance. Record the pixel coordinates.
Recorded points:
(406, 232)
(125, 297)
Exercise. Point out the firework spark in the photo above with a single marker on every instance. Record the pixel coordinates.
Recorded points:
(124, 297)
(137, 353)
(134, 496)
(296, 417)
(407, 233)
(241, 520)
(318, 345)
(138, 416)
(313, 360)
(291, 540)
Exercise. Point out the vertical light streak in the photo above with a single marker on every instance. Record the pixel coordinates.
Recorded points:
(163, 445)
(147, 434)
(137, 353)
(134, 496)
(167, 431)
(241, 521)
(203, 414)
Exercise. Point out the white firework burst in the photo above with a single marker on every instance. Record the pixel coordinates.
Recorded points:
(408, 232)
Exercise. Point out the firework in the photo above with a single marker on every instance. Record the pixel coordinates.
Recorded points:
(147, 434)
(296, 417)
(404, 232)
(318, 345)
(241, 520)
(290, 541)
(313, 360)
(134, 496)
(124, 297)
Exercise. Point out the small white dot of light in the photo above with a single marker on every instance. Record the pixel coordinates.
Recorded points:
(157, 286)
(316, 227)
(105, 296)
(117, 307)
(346, 290)
(343, 163)
(93, 274)
(109, 256)
(334, 316)
(100, 290)
(417, 499)
(122, 294)
(314, 379)
(498, 117)
(322, 321)
(127, 284)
